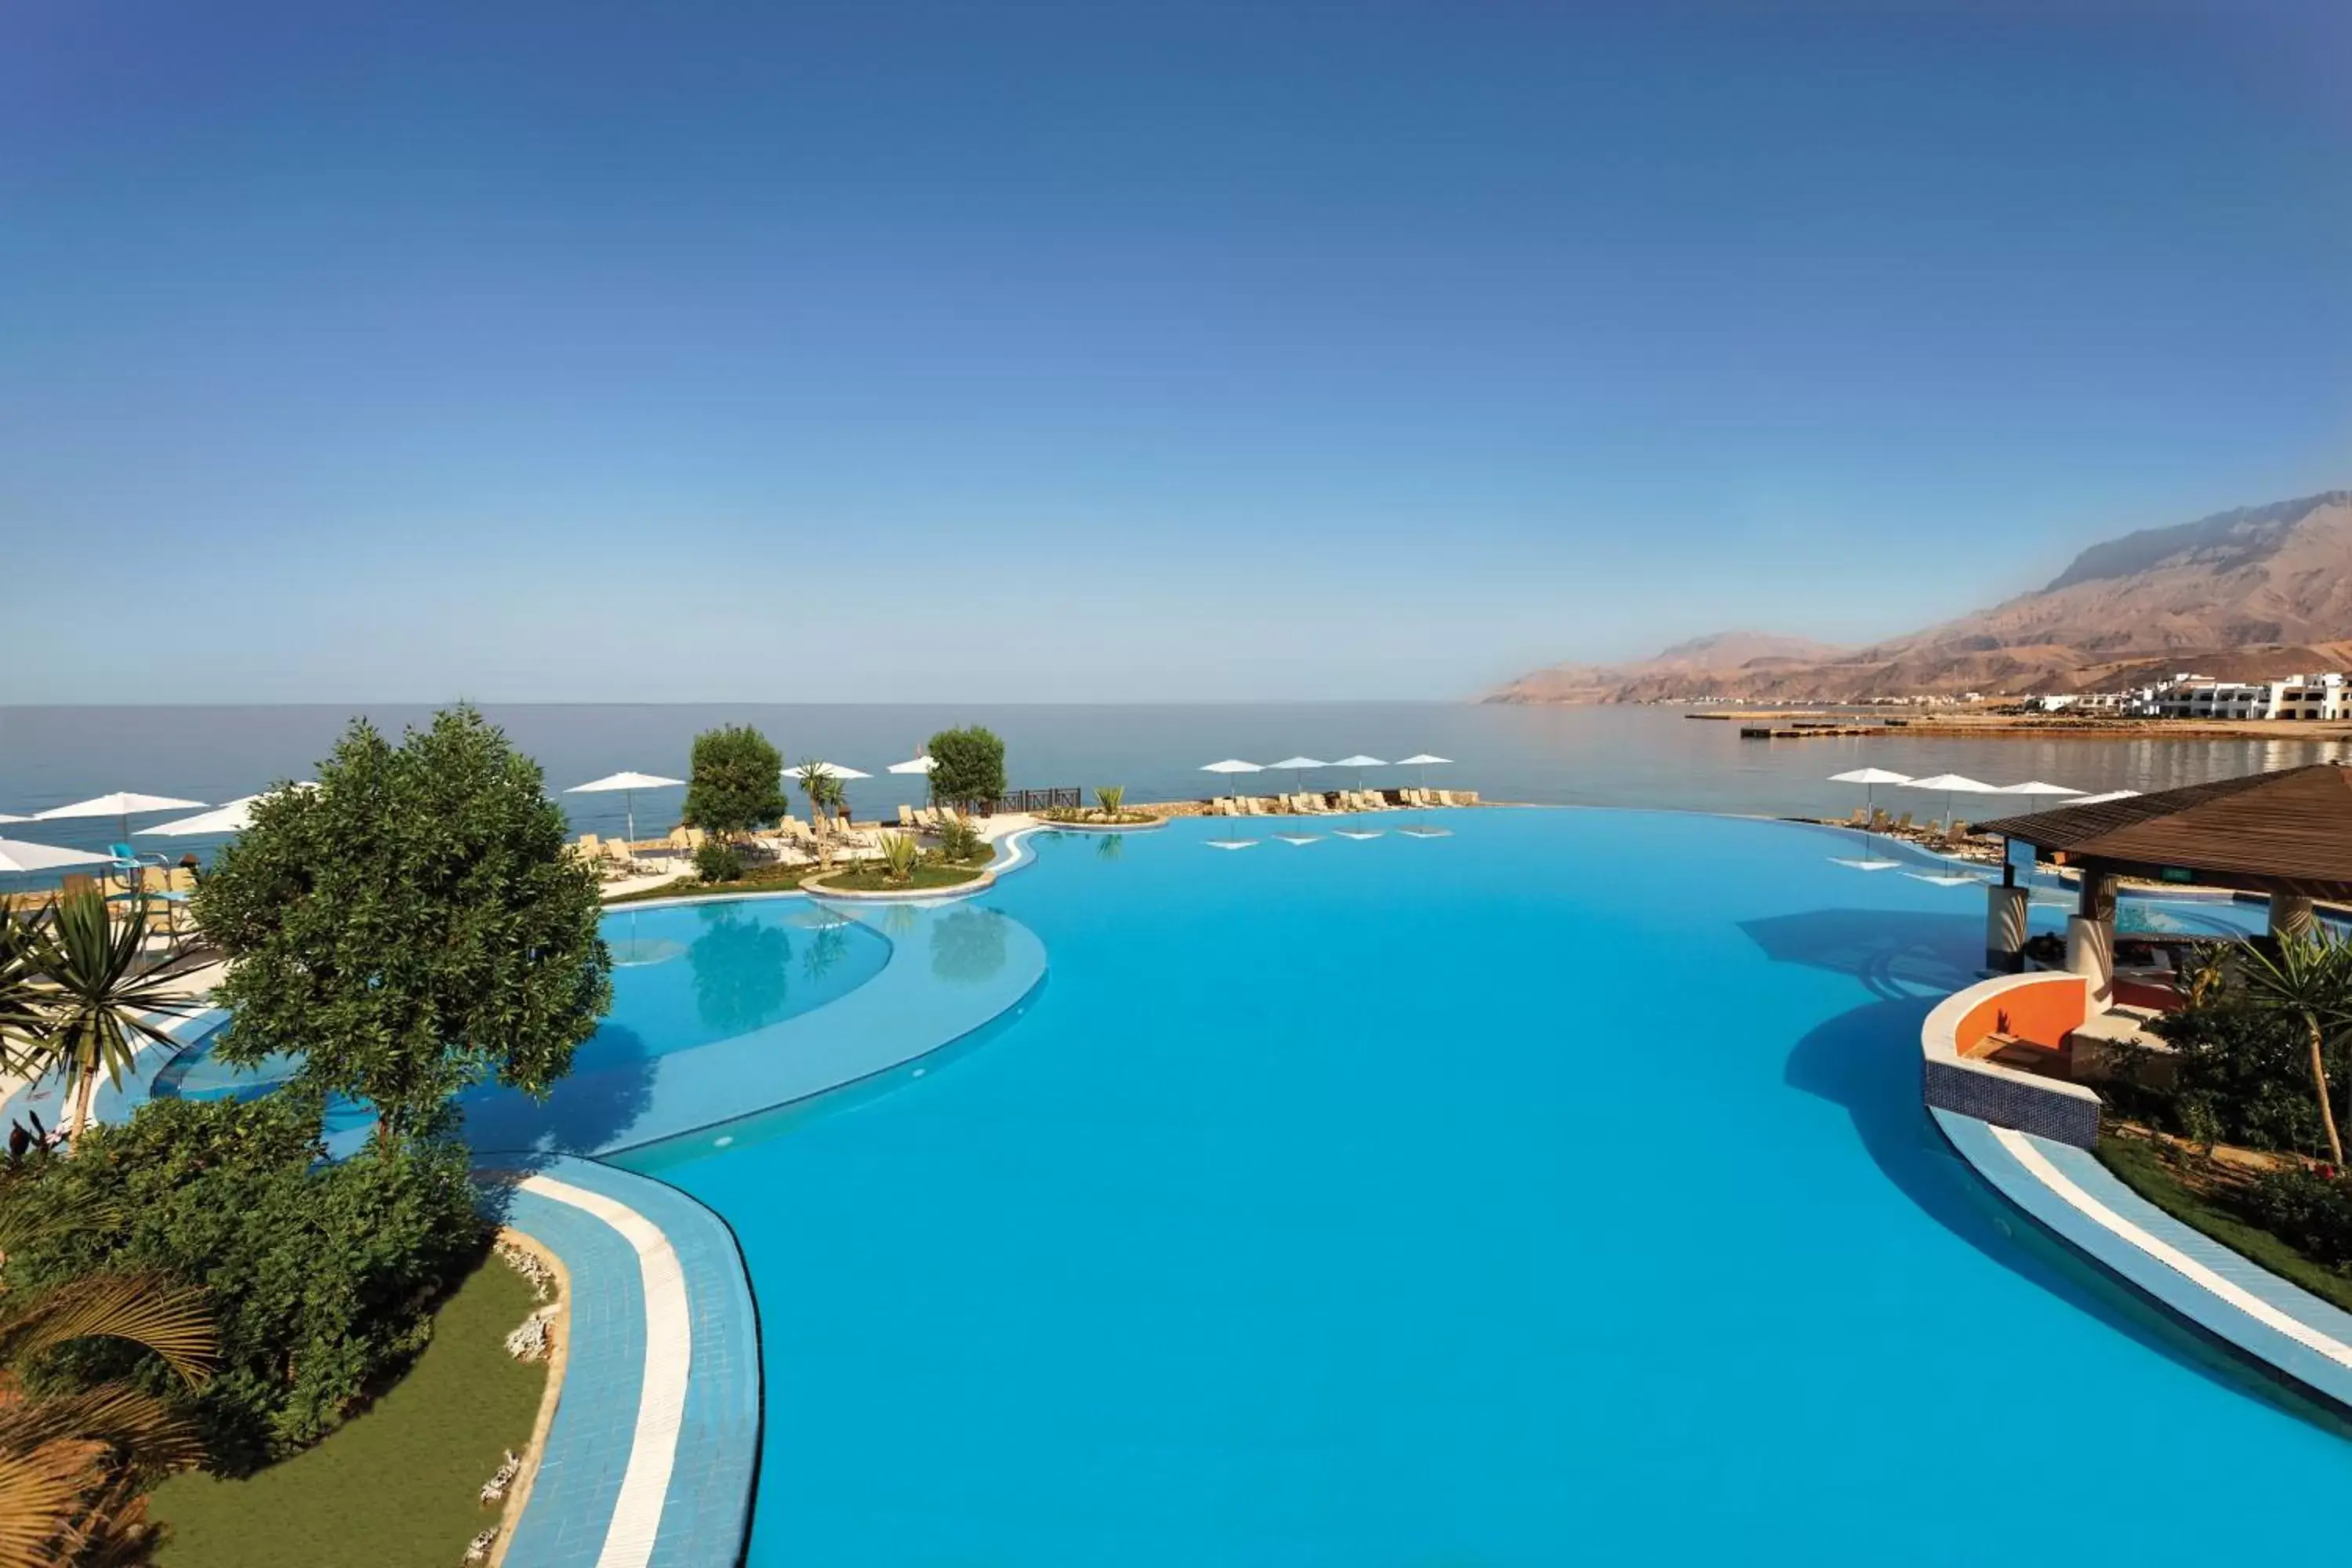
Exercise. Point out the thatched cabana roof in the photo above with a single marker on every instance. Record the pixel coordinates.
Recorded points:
(2285, 832)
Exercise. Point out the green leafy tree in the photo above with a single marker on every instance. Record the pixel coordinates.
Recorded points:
(967, 764)
(96, 998)
(2306, 980)
(736, 783)
(320, 1279)
(410, 928)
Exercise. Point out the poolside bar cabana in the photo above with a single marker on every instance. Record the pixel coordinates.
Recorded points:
(2285, 835)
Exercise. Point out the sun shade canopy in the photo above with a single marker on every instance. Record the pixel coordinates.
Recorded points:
(2289, 832)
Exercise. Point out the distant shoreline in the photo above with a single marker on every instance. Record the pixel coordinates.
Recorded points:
(2057, 727)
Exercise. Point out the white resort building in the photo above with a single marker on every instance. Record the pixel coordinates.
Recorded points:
(2290, 697)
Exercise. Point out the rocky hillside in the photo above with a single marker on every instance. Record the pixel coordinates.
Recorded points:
(2258, 591)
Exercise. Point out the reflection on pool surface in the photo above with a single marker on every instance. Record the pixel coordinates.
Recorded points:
(1552, 1192)
(683, 977)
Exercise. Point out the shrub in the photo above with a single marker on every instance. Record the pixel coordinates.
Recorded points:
(2245, 1077)
(411, 927)
(718, 862)
(2308, 1211)
(899, 853)
(967, 764)
(1111, 797)
(959, 841)
(735, 782)
(323, 1277)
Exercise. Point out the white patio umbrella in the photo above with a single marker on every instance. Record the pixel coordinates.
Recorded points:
(123, 803)
(922, 765)
(6, 817)
(628, 783)
(1869, 779)
(23, 855)
(1425, 762)
(229, 817)
(2035, 786)
(2103, 799)
(1359, 762)
(1952, 784)
(1232, 765)
(1297, 767)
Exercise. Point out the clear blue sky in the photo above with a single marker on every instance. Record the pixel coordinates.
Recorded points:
(998, 352)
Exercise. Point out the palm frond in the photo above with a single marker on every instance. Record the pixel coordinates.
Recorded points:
(41, 1490)
(173, 1320)
(148, 1432)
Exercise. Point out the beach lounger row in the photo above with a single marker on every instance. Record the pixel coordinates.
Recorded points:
(926, 818)
(1326, 803)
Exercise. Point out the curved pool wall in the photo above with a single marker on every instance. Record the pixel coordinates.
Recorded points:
(951, 968)
(650, 1459)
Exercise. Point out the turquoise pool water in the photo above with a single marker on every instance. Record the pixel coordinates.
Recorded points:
(1554, 1191)
(684, 976)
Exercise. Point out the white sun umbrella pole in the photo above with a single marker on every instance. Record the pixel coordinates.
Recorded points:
(1952, 784)
(1232, 765)
(1870, 779)
(922, 763)
(1298, 766)
(628, 783)
(1425, 762)
(123, 805)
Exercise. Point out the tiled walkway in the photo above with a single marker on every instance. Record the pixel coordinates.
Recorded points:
(654, 1444)
(2071, 1194)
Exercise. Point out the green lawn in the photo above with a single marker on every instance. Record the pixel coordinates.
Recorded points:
(395, 1487)
(875, 879)
(2137, 1164)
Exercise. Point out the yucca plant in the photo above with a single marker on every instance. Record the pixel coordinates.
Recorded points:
(72, 1465)
(1110, 797)
(2306, 982)
(899, 853)
(97, 995)
(21, 967)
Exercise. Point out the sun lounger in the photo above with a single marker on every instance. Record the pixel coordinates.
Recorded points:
(1444, 797)
(1903, 823)
(906, 815)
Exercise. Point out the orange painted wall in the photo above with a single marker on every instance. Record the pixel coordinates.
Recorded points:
(2041, 1013)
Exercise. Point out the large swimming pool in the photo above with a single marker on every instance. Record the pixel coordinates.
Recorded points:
(1552, 1191)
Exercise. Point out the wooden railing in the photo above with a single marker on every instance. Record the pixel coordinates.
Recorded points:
(1021, 800)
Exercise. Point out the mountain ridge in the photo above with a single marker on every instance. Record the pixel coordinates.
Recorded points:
(2265, 590)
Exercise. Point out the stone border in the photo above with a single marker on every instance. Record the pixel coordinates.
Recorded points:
(1154, 825)
(652, 1453)
(1991, 1092)
(2284, 1331)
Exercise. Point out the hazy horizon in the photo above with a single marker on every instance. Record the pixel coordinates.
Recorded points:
(1046, 352)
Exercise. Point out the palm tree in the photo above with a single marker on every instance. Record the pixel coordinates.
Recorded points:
(98, 995)
(824, 791)
(72, 1465)
(2306, 982)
